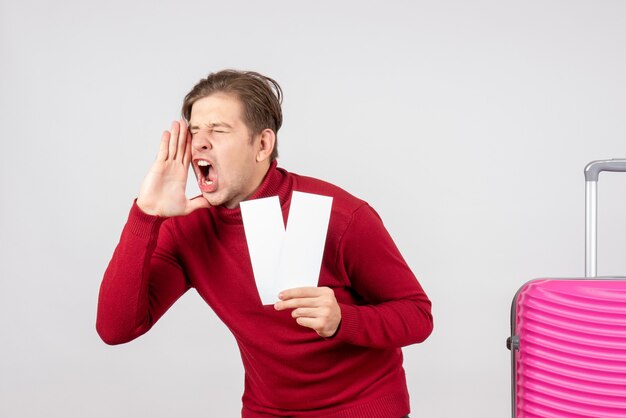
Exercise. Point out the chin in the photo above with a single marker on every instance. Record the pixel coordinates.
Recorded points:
(212, 199)
(216, 200)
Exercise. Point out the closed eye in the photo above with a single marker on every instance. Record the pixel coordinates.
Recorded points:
(210, 131)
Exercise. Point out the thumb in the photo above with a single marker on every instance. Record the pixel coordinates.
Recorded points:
(198, 202)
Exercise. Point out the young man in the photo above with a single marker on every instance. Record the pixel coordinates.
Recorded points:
(326, 351)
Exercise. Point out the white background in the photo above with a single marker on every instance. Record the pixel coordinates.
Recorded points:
(466, 124)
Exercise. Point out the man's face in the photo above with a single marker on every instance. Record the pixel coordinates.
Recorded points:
(223, 156)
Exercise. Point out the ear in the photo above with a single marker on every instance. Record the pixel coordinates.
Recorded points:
(265, 145)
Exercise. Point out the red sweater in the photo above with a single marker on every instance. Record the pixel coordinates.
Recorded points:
(289, 369)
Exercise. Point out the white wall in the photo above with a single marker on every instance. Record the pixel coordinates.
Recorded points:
(465, 124)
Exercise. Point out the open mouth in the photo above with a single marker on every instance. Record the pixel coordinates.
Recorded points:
(207, 176)
(205, 170)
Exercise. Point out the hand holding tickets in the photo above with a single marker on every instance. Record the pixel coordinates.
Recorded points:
(313, 307)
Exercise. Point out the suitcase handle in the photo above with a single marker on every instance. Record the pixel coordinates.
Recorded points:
(592, 172)
(594, 168)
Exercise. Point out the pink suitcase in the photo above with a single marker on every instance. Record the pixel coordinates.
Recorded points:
(568, 336)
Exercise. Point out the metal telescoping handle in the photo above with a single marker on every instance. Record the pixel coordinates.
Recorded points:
(592, 172)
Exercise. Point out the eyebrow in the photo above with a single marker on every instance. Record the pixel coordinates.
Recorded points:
(212, 125)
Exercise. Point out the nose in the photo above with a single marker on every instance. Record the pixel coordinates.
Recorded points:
(201, 141)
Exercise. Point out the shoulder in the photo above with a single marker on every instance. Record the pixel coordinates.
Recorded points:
(343, 202)
(348, 213)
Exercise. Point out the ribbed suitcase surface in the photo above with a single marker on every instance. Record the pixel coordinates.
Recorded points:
(571, 361)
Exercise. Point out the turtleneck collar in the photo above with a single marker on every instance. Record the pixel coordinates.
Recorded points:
(276, 182)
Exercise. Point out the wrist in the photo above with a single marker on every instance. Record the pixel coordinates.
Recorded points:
(145, 208)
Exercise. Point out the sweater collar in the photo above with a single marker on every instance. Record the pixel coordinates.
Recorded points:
(276, 182)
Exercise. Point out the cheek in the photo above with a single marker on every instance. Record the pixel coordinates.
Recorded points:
(231, 170)
(236, 158)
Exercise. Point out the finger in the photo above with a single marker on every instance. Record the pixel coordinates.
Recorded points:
(300, 292)
(312, 323)
(296, 303)
(197, 203)
(182, 140)
(173, 141)
(163, 147)
(187, 158)
(306, 313)
(318, 325)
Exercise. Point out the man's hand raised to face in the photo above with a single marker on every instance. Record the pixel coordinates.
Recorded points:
(162, 192)
(313, 307)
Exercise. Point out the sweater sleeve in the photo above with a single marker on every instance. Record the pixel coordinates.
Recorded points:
(143, 279)
(395, 311)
